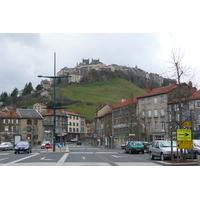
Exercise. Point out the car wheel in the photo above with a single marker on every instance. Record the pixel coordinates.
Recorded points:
(162, 157)
(15, 152)
(151, 155)
(142, 152)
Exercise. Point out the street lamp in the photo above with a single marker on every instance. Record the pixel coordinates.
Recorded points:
(54, 99)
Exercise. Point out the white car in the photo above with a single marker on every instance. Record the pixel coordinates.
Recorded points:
(74, 140)
(44, 143)
(6, 146)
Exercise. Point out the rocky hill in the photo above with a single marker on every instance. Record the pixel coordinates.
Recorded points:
(95, 71)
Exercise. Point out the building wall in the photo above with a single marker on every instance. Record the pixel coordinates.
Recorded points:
(157, 107)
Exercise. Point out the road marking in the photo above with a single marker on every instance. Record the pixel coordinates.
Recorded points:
(62, 160)
(10, 163)
(83, 158)
(117, 156)
(45, 158)
(3, 158)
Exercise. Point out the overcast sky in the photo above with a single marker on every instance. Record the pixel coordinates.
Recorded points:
(24, 56)
(116, 33)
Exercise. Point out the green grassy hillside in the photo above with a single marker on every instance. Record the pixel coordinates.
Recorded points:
(93, 94)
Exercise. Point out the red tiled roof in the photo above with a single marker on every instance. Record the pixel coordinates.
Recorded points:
(160, 90)
(195, 95)
(9, 114)
(126, 102)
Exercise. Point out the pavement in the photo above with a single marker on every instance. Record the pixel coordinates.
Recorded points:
(195, 162)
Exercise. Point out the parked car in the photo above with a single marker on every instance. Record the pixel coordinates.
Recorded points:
(23, 147)
(44, 143)
(147, 147)
(123, 145)
(79, 142)
(6, 146)
(74, 140)
(162, 149)
(134, 147)
(145, 144)
(196, 149)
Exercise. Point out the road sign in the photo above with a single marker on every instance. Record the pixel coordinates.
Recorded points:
(184, 135)
(47, 146)
(187, 124)
(60, 145)
(184, 145)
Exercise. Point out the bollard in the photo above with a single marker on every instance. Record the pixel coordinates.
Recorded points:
(198, 159)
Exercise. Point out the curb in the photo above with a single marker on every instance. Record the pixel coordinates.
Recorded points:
(177, 164)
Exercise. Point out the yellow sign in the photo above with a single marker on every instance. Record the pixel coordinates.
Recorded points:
(187, 124)
(184, 135)
(184, 144)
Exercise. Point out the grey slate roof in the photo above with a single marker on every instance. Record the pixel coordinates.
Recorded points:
(47, 123)
(29, 113)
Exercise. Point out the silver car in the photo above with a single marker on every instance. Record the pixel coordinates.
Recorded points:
(162, 149)
(6, 146)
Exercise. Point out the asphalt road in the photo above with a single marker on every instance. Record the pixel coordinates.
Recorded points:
(79, 155)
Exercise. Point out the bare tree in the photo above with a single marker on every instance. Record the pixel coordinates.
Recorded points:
(178, 98)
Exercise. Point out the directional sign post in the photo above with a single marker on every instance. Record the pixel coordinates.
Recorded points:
(184, 139)
(60, 145)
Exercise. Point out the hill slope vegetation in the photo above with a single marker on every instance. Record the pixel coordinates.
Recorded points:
(87, 97)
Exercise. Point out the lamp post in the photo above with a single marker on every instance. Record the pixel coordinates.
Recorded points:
(54, 99)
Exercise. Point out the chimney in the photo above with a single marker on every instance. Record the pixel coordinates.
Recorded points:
(174, 82)
(123, 99)
(190, 84)
(148, 89)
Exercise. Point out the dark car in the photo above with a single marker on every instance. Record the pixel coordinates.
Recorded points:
(79, 142)
(23, 147)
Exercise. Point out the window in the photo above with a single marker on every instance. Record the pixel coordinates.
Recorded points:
(29, 128)
(35, 122)
(142, 101)
(77, 130)
(198, 104)
(155, 113)
(163, 126)
(29, 122)
(76, 124)
(162, 112)
(149, 101)
(149, 114)
(6, 128)
(155, 100)
(156, 125)
(77, 117)
(161, 99)
(149, 126)
(70, 129)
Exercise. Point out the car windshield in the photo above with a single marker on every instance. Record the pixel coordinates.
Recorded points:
(136, 143)
(4, 143)
(167, 144)
(22, 144)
